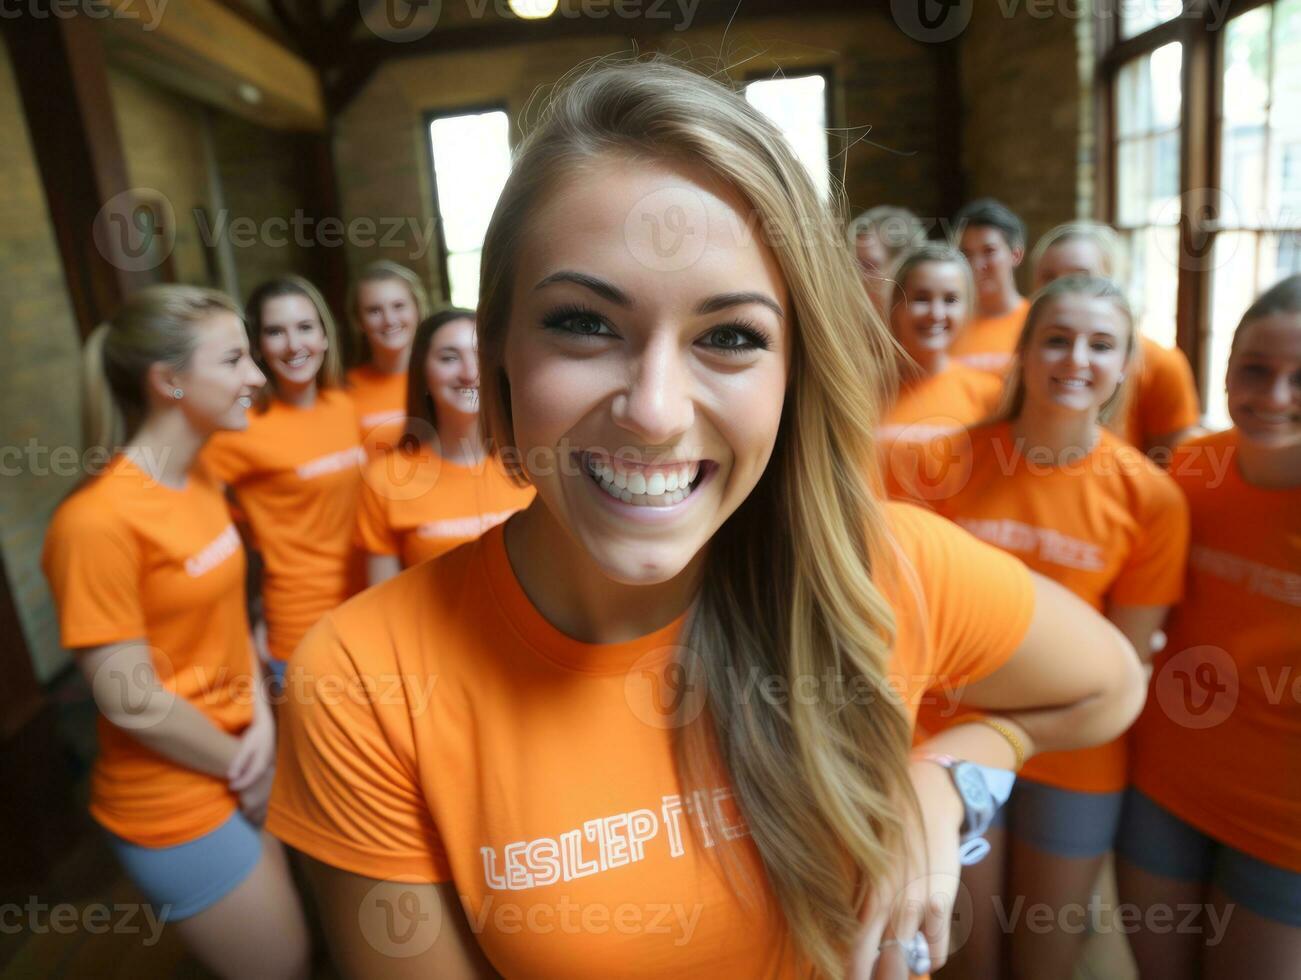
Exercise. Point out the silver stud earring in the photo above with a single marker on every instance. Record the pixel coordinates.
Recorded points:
(178, 394)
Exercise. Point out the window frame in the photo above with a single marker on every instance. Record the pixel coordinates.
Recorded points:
(429, 117)
(1199, 151)
(827, 71)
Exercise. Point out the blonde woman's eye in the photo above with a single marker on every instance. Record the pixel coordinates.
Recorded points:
(577, 321)
(737, 339)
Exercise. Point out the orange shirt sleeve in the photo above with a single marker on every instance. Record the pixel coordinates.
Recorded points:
(346, 790)
(1154, 573)
(374, 534)
(221, 457)
(978, 601)
(93, 564)
(1168, 399)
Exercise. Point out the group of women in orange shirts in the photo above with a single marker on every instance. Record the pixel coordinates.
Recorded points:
(268, 442)
(1047, 459)
(672, 706)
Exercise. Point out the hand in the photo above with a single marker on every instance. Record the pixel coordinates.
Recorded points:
(257, 750)
(253, 800)
(919, 894)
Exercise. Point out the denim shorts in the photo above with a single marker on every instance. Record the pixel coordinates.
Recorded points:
(184, 879)
(1154, 839)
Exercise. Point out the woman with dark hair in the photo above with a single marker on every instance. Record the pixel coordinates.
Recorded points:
(441, 486)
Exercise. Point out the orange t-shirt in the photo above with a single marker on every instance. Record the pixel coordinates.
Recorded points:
(381, 402)
(1164, 396)
(128, 558)
(987, 342)
(540, 776)
(957, 397)
(419, 505)
(1219, 743)
(1112, 528)
(296, 473)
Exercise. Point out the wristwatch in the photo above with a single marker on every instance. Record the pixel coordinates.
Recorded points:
(982, 790)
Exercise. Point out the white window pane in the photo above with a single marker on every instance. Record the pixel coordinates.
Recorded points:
(1154, 281)
(1233, 287)
(1134, 171)
(463, 271)
(1167, 93)
(798, 106)
(1242, 169)
(1245, 84)
(1287, 61)
(1137, 16)
(471, 162)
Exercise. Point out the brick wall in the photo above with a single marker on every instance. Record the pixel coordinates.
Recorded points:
(1026, 129)
(39, 393)
(884, 90)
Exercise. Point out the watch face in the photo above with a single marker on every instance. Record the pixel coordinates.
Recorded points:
(971, 784)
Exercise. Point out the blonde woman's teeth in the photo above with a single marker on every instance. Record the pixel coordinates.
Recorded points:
(245, 401)
(661, 487)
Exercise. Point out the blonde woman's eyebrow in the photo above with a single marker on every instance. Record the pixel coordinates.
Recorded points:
(607, 291)
(724, 301)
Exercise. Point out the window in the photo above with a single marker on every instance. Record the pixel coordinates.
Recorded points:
(1204, 176)
(799, 108)
(471, 160)
(1258, 238)
(1137, 16)
(1148, 102)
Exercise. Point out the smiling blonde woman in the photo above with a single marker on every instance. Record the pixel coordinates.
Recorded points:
(659, 722)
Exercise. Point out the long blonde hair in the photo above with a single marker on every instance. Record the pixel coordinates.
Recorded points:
(383, 270)
(330, 374)
(155, 324)
(1090, 287)
(788, 585)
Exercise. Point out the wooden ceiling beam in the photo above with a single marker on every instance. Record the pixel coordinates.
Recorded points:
(205, 50)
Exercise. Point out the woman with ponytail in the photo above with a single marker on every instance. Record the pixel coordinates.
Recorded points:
(441, 487)
(148, 577)
(659, 723)
(296, 469)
